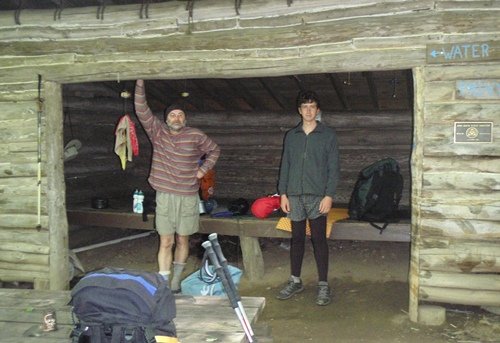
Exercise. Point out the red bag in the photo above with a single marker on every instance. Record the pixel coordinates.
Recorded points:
(264, 207)
(207, 185)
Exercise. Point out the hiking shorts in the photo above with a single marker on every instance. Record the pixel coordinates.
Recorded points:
(304, 207)
(177, 214)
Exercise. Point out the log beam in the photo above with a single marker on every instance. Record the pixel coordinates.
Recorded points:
(58, 223)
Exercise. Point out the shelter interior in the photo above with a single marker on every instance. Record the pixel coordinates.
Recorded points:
(372, 112)
(454, 182)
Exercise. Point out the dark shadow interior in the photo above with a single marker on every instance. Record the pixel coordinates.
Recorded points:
(372, 112)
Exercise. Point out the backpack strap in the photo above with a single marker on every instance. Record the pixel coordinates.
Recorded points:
(77, 333)
(149, 332)
(130, 334)
(122, 333)
(116, 335)
(380, 228)
(83, 332)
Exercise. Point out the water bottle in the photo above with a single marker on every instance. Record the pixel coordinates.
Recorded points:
(139, 206)
(135, 196)
(201, 206)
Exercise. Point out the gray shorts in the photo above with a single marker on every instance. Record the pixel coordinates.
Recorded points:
(304, 207)
(177, 214)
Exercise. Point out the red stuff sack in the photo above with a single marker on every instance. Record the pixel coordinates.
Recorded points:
(264, 207)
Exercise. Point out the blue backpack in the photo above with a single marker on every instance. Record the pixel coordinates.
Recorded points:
(115, 305)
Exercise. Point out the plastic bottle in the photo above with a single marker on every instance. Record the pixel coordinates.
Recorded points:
(201, 206)
(139, 206)
(134, 204)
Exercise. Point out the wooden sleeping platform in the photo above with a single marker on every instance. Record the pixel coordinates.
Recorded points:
(248, 228)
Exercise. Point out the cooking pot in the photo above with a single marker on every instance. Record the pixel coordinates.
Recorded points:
(99, 203)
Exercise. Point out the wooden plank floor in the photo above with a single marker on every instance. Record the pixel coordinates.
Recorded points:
(199, 319)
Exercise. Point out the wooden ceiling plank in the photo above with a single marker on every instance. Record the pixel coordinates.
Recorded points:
(236, 99)
(241, 91)
(298, 82)
(272, 94)
(173, 94)
(337, 86)
(220, 99)
(409, 87)
(239, 87)
(118, 87)
(155, 91)
(373, 88)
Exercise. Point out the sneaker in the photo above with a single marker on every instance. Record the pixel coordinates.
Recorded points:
(323, 297)
(290, 289)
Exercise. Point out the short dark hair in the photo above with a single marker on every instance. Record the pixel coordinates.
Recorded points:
(306, 97)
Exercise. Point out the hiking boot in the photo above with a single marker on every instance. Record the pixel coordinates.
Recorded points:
(324, 296)
(290, 289)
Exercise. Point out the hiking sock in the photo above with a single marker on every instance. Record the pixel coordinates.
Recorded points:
(295, 279)
(175, 285)
(165, 274)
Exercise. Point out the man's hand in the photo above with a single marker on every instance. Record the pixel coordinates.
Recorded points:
(200, 174)
(285, 203)
(325, 205)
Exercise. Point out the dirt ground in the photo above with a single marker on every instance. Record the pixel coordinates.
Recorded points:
(369, 281)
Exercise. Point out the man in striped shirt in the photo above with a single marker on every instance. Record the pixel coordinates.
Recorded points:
(175, 176)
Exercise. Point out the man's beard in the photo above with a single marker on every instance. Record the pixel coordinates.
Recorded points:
(176, 126)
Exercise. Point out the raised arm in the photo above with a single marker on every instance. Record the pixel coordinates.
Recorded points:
(142, 109)
(141, 106)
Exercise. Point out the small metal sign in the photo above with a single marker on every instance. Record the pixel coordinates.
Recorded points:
(473, 132)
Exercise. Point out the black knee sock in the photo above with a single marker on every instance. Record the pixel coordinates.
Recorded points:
(297, 246)
(320, 245)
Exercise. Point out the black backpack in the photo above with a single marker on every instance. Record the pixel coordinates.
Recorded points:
(377, 193)
(115, 305)
(238, 207)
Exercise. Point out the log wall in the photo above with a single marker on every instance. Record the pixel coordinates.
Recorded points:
(24, 252)
(251, 144)
(457, 235)
(454, 186)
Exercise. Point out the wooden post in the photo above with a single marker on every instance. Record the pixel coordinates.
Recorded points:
(56, 203)
(253, 262)
(416, 186)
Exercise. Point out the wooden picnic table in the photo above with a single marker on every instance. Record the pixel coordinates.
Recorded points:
(199, 319)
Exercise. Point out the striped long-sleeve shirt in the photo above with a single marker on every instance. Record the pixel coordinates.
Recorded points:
(175, 156)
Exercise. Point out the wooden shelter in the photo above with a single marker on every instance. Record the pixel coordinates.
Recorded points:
(447, 53)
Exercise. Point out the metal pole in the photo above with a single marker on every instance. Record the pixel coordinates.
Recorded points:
(39, 154)
(232, 299)
(223, 261)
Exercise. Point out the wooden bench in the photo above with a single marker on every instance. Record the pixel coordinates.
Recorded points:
(248, 228)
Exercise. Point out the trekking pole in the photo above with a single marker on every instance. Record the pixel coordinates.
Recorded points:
(39, 155)
(223, 262)
(232, 299)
